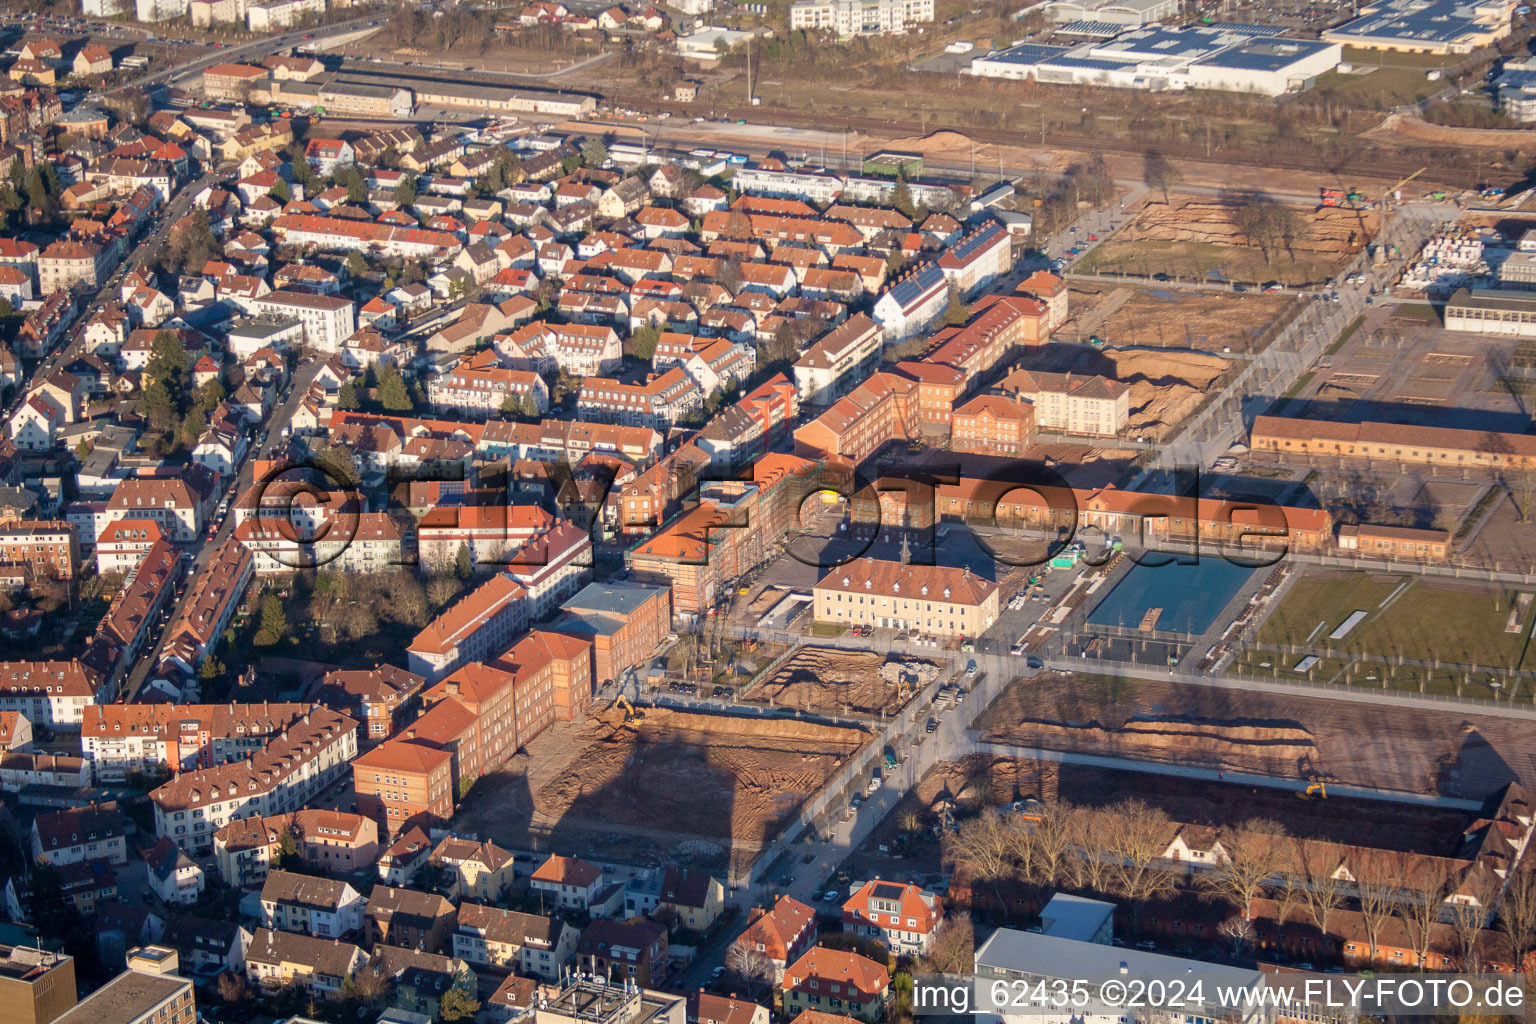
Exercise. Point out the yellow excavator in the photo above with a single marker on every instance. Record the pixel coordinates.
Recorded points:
(631, 713)
(1316, 791)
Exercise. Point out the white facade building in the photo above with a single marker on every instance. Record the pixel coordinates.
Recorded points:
(860, 17)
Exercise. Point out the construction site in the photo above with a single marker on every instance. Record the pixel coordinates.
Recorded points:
(652, 784)
(1150, 317)
(1166, 384)
(1285, 736)
(831, 680)
(1201, 239)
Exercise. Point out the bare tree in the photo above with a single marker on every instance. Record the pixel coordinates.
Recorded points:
(1254, 855)
(1053, 841)
(1239, 933)
(752, 966)
(954, 946)
(1470, 905)
(1517, 911)
(985, 843)
(1091, 866)
(1322, 890)
(1136, 838)
(1158, 173)
(1377, 890)
(1424, 890)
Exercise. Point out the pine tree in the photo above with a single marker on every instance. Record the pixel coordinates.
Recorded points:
(405, 194)
(357, 188)
(281, 192)
(901, 198)
(392, 390)
(274, 624)
(346, 398)
(463, 568)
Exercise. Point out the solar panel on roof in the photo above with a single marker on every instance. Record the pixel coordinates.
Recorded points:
(886, 891)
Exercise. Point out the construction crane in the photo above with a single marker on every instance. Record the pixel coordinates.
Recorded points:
(1388, 204)
(631, 713)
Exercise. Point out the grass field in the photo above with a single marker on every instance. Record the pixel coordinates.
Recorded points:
(1188, 260)
(1382, 89)
(1383, 58)
(1436, 623)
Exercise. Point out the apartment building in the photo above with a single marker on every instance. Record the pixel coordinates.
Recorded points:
(884, 408)
(326, 841)
(213, 595)
(835, 981)
(933, 599)
(326, 908)
(844, 354)
(478, 869)
(478, 387)
(66, 264)
(287, 772)
(278, 960)
(781, 933)
(328, 320)
(54, 694)
(401, 784)
(659, 403)
(491, 534)
(531, 945)
(234, 82)
(901, 915)
(339, 235)
(178, 505)
(405, 917)
(44, 549)
(993, 425)
(480, 624)
(149, 991)
(850, 18)
(381, 697)
(79, 834)
(1072, 403)
(978, 258)
(37, 985)
(123, 738)
(551, 566)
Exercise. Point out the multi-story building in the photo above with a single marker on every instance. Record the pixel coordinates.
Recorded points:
(882, 409)
(36, 985)
(285, 774)
(326, 908)
(178, 505)
(480, 388)
(781, 933)
(532, 945)
(659, 402)
(123, 738)
(234, 82)
(481, 623)
(628, 951)
(860, 17)
(67, 264)
(328, 320)
(150, 991)
(1071, 403)
(405, 917)
(491, 533)
(381, 697)
(481, 870)
(560, 664)
(79, 834)
(935, 599)
(45, 549)
(54, 694)
(340, 235)
(845, 354)
(836, 981)
(278, 960)
(567, 882)
(123, 544)
(1393, 443)
(401, 784)
(246, 848)
(212, 597)
(623, 623)
(899, 914)
(993, 425)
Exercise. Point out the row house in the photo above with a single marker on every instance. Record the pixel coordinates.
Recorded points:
(210, 603)
(882, 409)
(337, 234)
(478, 387)
(149, 738)
(490, 533)
(293, 768)
(659, 403)
(481, 623)
(531, 945)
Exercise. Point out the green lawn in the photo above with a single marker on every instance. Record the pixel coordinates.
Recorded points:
(1426, 622)
(1370, 675)
(1187, 260)
(1382, 58)
(1380, 89)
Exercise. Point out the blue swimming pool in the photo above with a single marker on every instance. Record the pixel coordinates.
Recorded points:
(1190, 596)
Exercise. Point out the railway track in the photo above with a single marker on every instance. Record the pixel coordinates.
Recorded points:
(1376, 165)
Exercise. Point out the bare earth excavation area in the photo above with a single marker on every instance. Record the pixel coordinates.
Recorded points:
(1166, 386)
(676, 783)
(1407, 749)
(828, 679)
